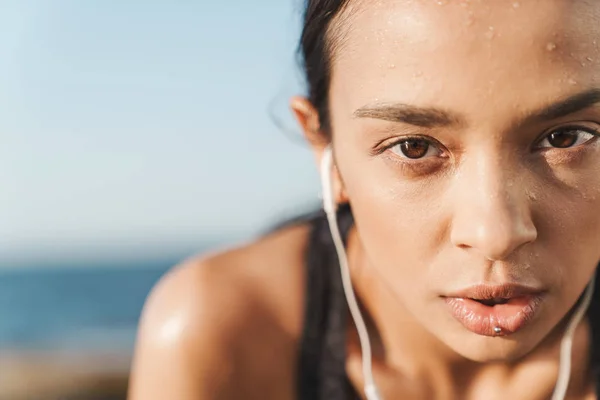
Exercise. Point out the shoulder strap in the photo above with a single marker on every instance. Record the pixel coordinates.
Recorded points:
(594, 319)
(322, 359)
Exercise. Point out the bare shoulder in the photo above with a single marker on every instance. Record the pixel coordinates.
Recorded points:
(229, 317)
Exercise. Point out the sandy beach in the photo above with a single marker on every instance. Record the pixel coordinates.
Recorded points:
(60, 376)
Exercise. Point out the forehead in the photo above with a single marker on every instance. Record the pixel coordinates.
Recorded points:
(439, 52)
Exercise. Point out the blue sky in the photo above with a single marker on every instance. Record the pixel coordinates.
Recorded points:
(144, 126)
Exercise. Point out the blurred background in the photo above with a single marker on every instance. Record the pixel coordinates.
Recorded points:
(133, 134)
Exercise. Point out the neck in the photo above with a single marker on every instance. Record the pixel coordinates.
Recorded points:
(400, 342)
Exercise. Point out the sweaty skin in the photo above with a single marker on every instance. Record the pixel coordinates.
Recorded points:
(465, 140)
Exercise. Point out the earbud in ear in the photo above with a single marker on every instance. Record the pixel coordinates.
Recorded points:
(329, 204)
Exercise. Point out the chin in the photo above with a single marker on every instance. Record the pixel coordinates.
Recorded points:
(485, 349)
(478, 342)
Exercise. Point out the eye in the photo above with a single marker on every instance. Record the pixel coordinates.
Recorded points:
(415, 148)
(565, 138)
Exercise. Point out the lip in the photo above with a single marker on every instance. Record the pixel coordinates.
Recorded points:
(486, 292)
(521, 306)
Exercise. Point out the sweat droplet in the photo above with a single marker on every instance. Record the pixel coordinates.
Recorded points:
(572, 82)
(551, 46)
(532, 196)
(490, 33)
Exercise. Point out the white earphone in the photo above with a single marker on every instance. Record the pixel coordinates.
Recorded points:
(370, 388)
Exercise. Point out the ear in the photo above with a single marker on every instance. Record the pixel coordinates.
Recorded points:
(307, 117)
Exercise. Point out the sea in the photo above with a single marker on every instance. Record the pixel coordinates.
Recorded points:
(74, 308)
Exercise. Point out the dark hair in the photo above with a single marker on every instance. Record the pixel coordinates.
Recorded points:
(315, 52)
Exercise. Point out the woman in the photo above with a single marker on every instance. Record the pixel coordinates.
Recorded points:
(467, 179)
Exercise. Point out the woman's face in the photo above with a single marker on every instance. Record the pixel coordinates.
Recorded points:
(465, 137)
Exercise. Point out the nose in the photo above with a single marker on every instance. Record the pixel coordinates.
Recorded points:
(492, 213)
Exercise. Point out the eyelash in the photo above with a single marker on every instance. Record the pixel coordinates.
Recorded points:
(575, 128)
(406, 165)
(380, 149)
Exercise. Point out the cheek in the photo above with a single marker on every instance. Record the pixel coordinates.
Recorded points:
(404, 225)
(566, 210)
(400, 223)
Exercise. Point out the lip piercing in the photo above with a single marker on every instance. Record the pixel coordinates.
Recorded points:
(497, 329)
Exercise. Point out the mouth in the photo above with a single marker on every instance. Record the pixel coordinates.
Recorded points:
(492, 302)
(495, 310)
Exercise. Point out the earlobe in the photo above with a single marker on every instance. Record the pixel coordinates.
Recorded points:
(332, 189)
(341, 196)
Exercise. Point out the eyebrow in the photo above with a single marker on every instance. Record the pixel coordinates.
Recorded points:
(426, 117)
(570, 105)
(431, 117)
